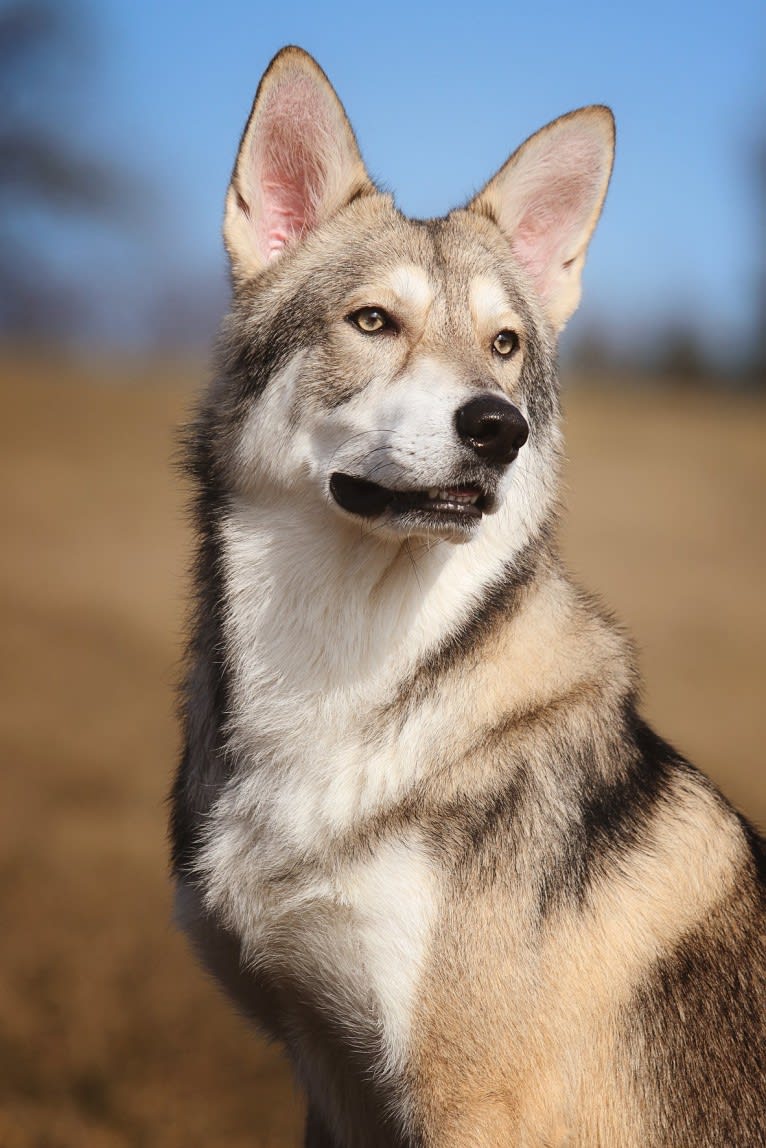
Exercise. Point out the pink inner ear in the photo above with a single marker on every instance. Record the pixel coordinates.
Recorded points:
(556, 204)
(289, 148)
(550, 222)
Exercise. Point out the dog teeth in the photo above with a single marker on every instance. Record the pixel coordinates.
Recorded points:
(445, 494)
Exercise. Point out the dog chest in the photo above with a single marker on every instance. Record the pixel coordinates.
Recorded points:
(352, 934)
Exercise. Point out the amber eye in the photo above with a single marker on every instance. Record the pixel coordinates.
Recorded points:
(506, 343)
(370, 320)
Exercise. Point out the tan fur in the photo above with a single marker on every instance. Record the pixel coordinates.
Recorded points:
(536, 1065)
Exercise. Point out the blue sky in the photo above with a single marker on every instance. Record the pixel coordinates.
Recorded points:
(439, 96)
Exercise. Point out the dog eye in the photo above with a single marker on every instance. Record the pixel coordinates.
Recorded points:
(506, 342)
(371, 320)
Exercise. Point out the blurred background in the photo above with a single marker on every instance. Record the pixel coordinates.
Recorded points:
(118, 126)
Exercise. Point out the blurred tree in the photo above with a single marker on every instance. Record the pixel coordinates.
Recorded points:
(43, 176)
(589, 350)
(680, 355)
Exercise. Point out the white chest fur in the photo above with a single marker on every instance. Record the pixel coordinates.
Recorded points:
(394, 901)
(352, 933)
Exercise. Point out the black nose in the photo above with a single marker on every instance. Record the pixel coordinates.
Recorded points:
(493, 428)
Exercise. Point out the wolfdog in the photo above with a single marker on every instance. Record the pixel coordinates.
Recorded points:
(421, 834)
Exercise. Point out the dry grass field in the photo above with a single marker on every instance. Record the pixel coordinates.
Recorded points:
(109, 1034)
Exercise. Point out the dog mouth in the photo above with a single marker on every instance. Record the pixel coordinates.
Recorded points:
(440, 504)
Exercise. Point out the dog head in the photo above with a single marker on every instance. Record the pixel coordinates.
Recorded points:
(397, 373)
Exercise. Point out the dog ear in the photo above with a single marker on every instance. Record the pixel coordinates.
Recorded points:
(547, 199)
(298, 163)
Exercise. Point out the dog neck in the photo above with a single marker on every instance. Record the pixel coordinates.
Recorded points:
(323, 606)
(355, 664)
